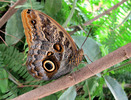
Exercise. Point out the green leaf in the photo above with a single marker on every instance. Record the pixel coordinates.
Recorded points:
(69, 94)
(3, 80)
(90, 48)
(115, 88)
(52, 6)
(90, 86)
(31, 4)
(14, 28)
(50, 97)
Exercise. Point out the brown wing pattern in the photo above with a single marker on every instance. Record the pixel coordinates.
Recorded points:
(50, 47)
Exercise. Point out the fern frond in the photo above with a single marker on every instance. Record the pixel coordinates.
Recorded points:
(10, 93)
(14, 61)
(109, 34)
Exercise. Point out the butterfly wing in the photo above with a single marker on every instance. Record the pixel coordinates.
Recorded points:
(50, 46)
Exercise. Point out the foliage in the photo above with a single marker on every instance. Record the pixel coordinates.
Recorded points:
(17, 29)
(108, 34)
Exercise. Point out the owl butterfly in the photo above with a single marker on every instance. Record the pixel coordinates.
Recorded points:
(52, 52)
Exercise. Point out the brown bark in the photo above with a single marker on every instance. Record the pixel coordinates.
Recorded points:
(99, 65)
(10, 12)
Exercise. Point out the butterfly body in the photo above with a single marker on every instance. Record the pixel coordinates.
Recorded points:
(52, 51)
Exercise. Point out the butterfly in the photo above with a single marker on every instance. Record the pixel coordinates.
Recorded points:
(52, 52)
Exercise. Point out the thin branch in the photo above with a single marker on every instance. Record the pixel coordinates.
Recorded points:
(5, 1)
(12, 36)
(10, 12)
(99, 65)
(13, 79)
(76, 28)
(3, 41)
(104, 13)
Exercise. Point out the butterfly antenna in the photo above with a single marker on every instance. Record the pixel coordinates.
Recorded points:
(86, 36)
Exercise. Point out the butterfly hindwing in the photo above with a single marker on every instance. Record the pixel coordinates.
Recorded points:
(51, 48)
